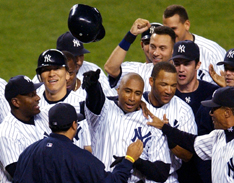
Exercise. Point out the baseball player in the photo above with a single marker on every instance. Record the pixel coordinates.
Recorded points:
(73, 83)
(217, 145)
(116, 123)
(77, 165)
(25, 123)
(160, 49)
(4, 106)
(52, 70)
(227, 78)
(160, 100)
(66, 42)
(176, 17)
(193, 91)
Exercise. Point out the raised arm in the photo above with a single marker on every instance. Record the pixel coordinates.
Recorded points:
(112, 65)
(220, 80)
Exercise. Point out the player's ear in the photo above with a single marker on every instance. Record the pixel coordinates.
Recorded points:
(198, 65)
(15, 102)
(74, 125)
(151, 81)
(228, 112)
(187, 25)
(141, 45)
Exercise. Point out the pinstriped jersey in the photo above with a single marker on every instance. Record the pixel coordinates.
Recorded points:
(210, 53)
(143, 69)
(113, 131)
(180, 116)
(218, 146)
(87, 66)
(4, 106)
(82, 137)
(15, 136)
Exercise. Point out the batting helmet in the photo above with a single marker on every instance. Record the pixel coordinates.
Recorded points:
(146, 35)
(51, 57)
(85, 23)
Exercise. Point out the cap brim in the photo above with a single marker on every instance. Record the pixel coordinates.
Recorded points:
(209, 103)
(181, 57)
(226, 62)
(37, 85)
(80, 117)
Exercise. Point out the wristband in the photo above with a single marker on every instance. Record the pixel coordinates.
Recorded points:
(128, 39)
(131, 158)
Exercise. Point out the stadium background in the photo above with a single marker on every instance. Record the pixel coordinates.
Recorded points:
(28, 28)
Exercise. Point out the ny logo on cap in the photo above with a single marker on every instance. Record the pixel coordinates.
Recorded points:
(47, 58)
(151, 31)
(181, 49)
(230, 54)
(76, 43)
(27, 79)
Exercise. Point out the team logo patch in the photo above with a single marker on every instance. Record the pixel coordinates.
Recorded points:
(187, 99)
(138, 134)
(230, 168)
(230, 54)
(76, 43)
(47, 58)
(181, 49)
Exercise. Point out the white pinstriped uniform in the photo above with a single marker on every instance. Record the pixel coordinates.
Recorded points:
(214, 147)
(16, 136)
(87, 66)
(180, 116)
(112, 131)
(210, 53)
(143, 69)
(73, 99)
(4, 106)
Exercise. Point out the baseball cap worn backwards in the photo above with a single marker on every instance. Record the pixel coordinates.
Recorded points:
(228, 59)
(20, 85)
(223, 96)
(186, 50)
(67, 42)
(62, 115)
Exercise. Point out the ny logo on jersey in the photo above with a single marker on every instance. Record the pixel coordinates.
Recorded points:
(187, 99)
(27, 79)
(138, 134)
(181, 49)
(47, 58)
(201, 74)
(176, 124)
(76, 43)
(230, 54)
(230, 168)
(77, 133)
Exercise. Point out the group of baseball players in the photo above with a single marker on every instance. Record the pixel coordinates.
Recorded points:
(167, 119)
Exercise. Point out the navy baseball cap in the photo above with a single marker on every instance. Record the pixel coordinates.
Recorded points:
(186, 50)
(146, 35)
(20, 85)
(228, 59)
(223, 96)
(62, 115)
(67, 42)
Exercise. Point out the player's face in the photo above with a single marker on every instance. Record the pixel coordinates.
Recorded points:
(160, 48)
(218, 117)
(180, 29)
(72, 69)
(186, 71)
(229, 75)
(130, 93)
(79, 60)
(54, 78)
(28, 104)
(145, 48)
(163, 88)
